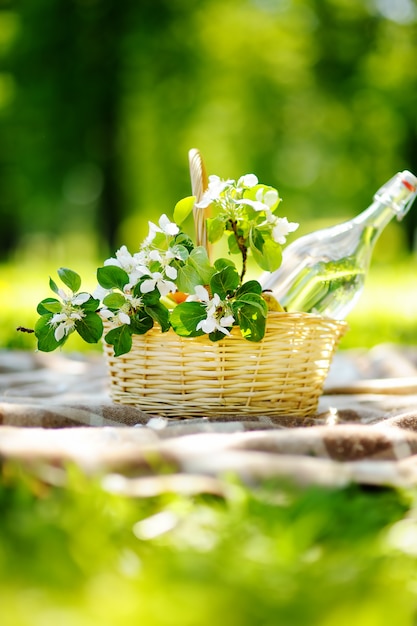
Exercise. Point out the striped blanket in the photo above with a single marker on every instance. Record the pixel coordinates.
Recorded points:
(55, 410)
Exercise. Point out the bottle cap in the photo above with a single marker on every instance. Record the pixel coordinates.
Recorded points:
(409, 180)
(399, 192)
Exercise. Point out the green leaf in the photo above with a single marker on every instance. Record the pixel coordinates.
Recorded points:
(141, 322)
(160, 241)
(251, 194)
(49, 305)
(114, 301)
(215, 228)
(256, 239)
(254, 300)
(44, 333)
(186, 316)
(184, 240)
(232, 243)
(200, 261)
(53, 286)
(187, 278)
(221, 263)
(92, 304)
(120, 338)
(90, 327)
(160, 314)
(216, 335)
(180, 252)
(251, 286)
(150, 298)
(70, 278)
(224, 282)
(252, 322)
(269, 257)
(111, 276)
(183, 209)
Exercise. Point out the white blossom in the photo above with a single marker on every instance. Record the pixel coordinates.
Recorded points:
(281, 228)
(171, 272)
(215, 308)
(80, 298)
(74, 299)
(215, 187)
(265, 200)
(134, 301)
(64, 322)
(100, 293)
(165, 226)
(200, 295)
(133, 264)
(248, 181)
(165, 260)
(120, 316)
(158, 281)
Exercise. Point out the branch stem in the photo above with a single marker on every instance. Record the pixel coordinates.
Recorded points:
(241, 245)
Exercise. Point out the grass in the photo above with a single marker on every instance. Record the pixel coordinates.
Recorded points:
(273, 555)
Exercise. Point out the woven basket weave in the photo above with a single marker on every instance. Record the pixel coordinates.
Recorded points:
(282, 375)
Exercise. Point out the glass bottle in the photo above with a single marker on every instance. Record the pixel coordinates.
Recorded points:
(324, 272)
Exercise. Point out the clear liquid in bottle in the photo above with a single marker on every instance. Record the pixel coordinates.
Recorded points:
(324, 272)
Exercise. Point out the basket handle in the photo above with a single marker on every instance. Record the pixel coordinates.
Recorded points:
(199, 184)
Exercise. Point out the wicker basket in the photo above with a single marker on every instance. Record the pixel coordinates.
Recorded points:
(172, 376)
(284, 374)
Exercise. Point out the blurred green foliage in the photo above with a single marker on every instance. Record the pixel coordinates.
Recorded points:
(272, 554)
(100, 102)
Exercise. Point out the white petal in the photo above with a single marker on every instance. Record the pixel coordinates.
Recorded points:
(171, 272)
(215, 187)
(123, 317)
(155, 256)
(168, 227)
(205, 201)
(282, 228)
(76, 316)
(57, 318)
(215, 300)
(165, 287)
(80, 298)
(106, 314)
(148, 285)
(59, 332)
(112, 261)
(270, 197)
(258, 206)
(201, 293)
(138, 272)
(248, 180)
(227, 320)
(100, 293)
(208, 325)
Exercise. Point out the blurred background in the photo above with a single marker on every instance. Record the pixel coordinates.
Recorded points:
(100, 102)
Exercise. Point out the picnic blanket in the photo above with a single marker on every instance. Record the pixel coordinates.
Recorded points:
(55, 410)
